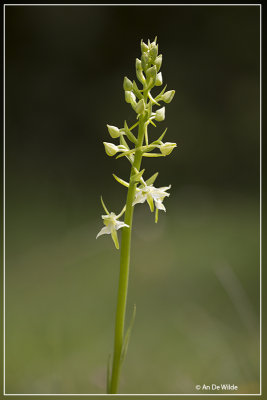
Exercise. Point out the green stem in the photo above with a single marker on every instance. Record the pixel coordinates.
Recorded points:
(124, 265)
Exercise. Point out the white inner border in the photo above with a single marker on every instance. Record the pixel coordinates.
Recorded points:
(89, 394)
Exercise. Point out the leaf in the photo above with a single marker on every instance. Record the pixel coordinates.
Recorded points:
(123, 142)
(137, 91)
(153, 101)
(136, 177)
(126, 153)
(162, 92)
(129, 134)
(152, 179)
(127, 336)
(153, 123)
(121, 181)
(162, 136)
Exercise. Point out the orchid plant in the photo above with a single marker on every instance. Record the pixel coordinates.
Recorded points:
(139, 190)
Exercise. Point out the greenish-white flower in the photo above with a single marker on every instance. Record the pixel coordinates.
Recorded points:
(152, 195)
(160, 114)
(167, 147)
(113, 131)
(112, 224)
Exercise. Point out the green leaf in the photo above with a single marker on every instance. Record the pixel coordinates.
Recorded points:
(160, 138)
(126, 153)
(153, 123)
(152, 179)
(123, 142)
(127, 336)
(121, 181)
(136, 177)
(129, 134)
(153, 101)
(162, 92)
(137, 91)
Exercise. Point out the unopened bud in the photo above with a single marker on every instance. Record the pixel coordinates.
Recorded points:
(144, 61)
(159, 79)
(138, 65)
(130, 97)
(110, 148)
(152, 72)
(153, 52)
(140, 107)
(160, 114)
(127, 84)
(144, 47)
(113, 131)
(167, 148)
(158, 62)
(168, 96)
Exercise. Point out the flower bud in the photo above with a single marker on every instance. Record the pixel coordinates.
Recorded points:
(168, 96)
(160, 114)
(144, 47)
(113, 131)
(140, 107)
(151, 72)
(153, 52)
(130, 97)
(127, 84)
(110, 148)
(158, 62)
(167, 148)
(144, 61)
(139, 74)
(138, 65)
(159, 79)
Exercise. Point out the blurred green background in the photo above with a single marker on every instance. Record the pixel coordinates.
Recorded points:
(195, 276)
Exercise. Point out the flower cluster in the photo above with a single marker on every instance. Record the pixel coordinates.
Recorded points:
(141, 100)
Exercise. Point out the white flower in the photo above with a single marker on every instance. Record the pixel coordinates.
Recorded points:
(152, 195)
(112, 225)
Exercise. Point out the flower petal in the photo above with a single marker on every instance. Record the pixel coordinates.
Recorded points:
(140, 198)
(120, 224)
(104, 231)
(159, 205)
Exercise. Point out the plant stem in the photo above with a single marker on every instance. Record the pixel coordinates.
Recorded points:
(124, 265)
